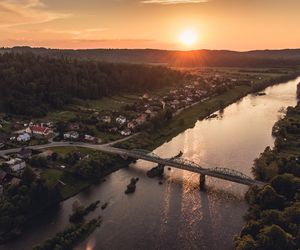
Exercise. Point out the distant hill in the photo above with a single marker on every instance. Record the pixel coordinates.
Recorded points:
(258, 58)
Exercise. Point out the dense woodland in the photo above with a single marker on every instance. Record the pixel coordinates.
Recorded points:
(33, 84)
(212, 58)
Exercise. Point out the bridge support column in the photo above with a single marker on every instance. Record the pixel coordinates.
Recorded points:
(161, 169)
(202, 181)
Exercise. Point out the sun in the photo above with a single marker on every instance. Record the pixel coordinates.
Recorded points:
(188, 37)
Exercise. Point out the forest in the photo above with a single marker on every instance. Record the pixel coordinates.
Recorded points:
(193, 58)
(32, 84)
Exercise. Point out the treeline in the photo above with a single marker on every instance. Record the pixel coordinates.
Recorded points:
(195, 58)
(32, 84)
(273, 219)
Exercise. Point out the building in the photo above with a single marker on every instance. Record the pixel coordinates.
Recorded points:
(141, 119)
(71, 135)
(90, 139)
(74, 126)
(105, 119)
(121, 120)
(131, 125)
(126, 132)
(25, 137)
(36, 130)
(16, 165)
(3, 141)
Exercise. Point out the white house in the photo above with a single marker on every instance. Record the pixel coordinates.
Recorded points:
(126, 132)
(121, 120)
(23, 137)
(71, 135)
(16, 164)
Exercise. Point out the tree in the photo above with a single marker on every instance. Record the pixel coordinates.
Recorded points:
(268, 198)
(245, 243)
(286, 185)
(275, 238)
(28, 176)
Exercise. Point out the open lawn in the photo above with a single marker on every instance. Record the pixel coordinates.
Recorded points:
(66, 150)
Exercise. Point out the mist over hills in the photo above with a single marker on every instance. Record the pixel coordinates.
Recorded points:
(222, 58)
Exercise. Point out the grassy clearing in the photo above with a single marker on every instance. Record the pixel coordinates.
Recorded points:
(72, 187)
(66, 150)
(51, 176)
(58, 116)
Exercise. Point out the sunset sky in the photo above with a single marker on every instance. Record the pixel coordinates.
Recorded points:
(164, 24)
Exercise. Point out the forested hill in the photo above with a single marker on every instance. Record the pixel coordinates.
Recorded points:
(32, 84)
(259, 58)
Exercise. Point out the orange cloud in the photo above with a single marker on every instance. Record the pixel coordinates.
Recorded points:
(26, 12)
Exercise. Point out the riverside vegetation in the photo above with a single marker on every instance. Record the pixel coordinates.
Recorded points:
(273, 218)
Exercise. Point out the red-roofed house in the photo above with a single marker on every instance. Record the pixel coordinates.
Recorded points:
(39, 131)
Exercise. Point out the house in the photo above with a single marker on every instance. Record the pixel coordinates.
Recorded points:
(141, 119)
(146, 96)
(3, 141)
(16, 165)
(71, 135)
(25, 137)
(37, 130)
(121, 120)
(148, 111)
(126, 132)
(24, 153)
(74, 126)
(131, 125)
(105, 119)
(90, 139)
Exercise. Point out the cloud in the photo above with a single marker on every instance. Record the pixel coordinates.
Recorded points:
(15, 13)
(173, 1)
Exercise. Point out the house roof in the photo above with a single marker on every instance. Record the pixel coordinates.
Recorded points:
(39, 129)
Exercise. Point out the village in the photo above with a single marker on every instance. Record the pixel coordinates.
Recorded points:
(132, 119)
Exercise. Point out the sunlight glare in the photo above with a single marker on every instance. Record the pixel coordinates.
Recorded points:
(188, 37)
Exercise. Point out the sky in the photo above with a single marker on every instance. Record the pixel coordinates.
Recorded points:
(162, 24)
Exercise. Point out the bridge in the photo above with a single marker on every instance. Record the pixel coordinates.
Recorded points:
(176, 162)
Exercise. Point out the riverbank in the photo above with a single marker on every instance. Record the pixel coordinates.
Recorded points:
(272, 221)
(150, 140)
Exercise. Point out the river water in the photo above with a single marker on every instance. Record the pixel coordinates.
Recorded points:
(176, 215)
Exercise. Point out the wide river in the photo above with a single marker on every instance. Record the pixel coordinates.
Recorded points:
(176, 215)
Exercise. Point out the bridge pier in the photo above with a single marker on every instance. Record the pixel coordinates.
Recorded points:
(202, 181)
(161, 169)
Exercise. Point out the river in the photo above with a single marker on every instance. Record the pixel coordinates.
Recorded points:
(176, 215)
